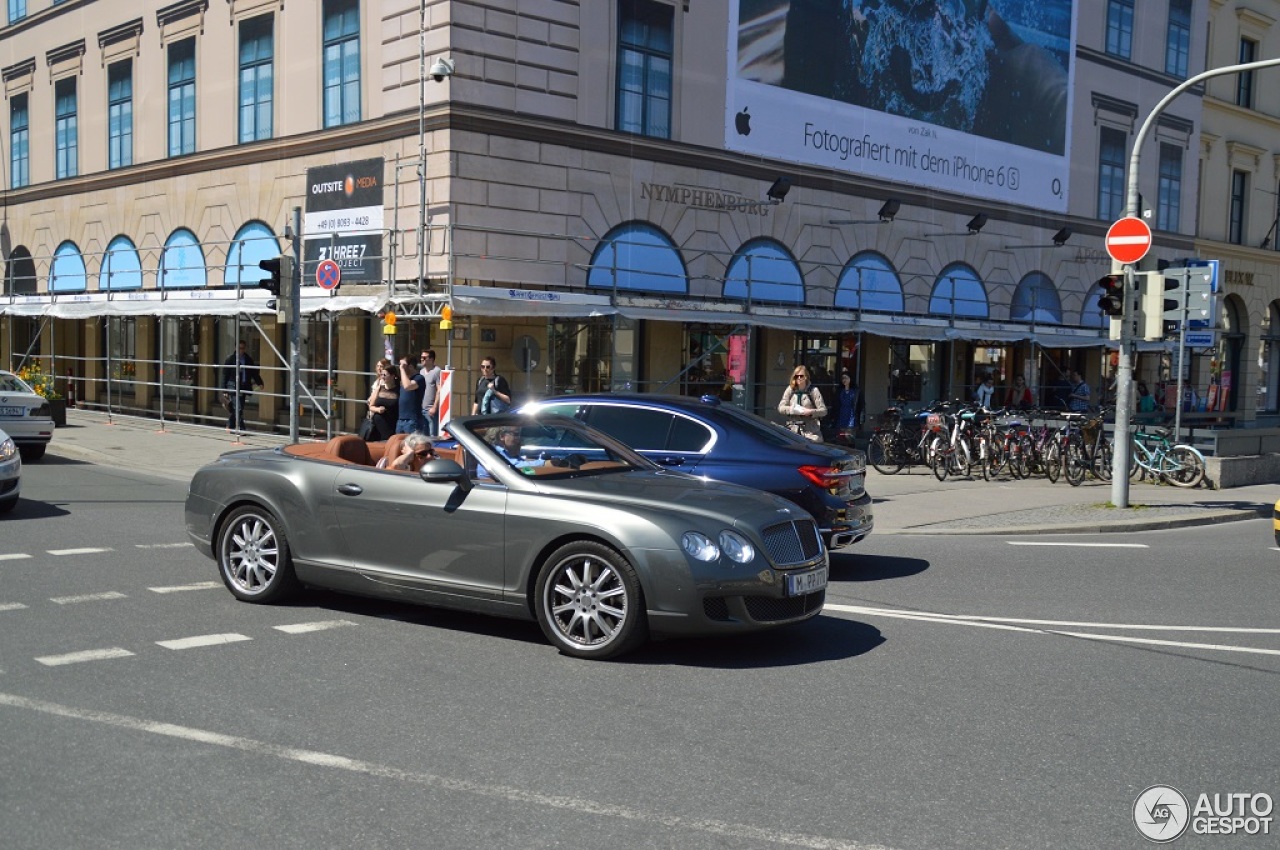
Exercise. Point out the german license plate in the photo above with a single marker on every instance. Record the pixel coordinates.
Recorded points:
(798, 584)
(13, 411)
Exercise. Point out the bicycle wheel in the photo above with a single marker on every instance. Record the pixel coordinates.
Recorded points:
(884, 454)
(1052, 461)
(1102, 460)
(1183, 467)
(1137, 459)
(962, 458)
(1020, 453)
(1075, 464)
(940, 458)
(996, 459)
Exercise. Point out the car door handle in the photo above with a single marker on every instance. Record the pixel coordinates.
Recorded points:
(669, 460)
(350, 489)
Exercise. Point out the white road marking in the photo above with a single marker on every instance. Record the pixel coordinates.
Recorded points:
(88, 597)
(203, 640)
(1009, 625)
(319, 626)
(87, 655)
(178, 588)
(163, 545)
(87, 550)
(11, 606)
(732, 832)
(1097, 545)
(14, 556)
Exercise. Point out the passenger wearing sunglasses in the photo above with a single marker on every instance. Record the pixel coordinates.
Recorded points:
(803, 405)
(415, 451)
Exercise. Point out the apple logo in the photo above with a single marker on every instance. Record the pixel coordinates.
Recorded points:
(742, 121)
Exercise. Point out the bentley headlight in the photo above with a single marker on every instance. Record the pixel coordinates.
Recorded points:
(7, 449)
(737, 547)
(699, 546)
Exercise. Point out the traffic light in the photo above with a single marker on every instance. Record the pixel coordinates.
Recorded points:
(1162, 300)
(1111, 300)
(279, 282)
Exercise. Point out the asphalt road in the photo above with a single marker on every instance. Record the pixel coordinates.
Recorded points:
(959, 692)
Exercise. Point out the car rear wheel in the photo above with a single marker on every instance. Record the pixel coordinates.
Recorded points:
(589, 603)
(254, 557)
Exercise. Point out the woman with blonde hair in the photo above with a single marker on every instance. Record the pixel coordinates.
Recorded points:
(803, 405)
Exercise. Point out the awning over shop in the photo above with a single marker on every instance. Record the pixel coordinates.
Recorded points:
(175, 302)
(502, 301)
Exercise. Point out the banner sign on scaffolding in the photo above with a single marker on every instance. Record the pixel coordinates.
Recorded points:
(343, 221)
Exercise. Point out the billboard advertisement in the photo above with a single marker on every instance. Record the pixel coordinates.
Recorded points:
(966, 96)
(343, 220)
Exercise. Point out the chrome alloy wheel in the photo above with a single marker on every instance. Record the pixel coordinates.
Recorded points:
(253, 556)
(589, 601)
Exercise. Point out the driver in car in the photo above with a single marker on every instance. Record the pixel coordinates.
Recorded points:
(507, 444)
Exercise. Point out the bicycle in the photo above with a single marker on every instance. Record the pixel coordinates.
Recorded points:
(953, 455)
(898, 440)
(1151, 453)
(1086, 450)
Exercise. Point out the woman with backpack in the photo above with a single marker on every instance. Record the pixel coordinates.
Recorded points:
(803, 405)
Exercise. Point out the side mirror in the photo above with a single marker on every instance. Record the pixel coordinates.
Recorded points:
(444, 470)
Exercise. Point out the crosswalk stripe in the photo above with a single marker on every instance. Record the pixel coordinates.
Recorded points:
(319, 626)
(163, 545)
(86, 550)
(11, 606)
(88, 597)
(86, 655)
(203, 640)
(15, 556)
(177, 588)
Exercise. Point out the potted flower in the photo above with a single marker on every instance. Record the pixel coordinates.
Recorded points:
(44, 385)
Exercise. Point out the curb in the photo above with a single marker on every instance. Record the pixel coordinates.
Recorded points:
(1112, 527)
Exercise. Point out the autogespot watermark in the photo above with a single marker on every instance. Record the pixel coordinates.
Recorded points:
(1162, 814)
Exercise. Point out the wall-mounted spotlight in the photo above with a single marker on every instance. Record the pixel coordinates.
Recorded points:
(779, 189)
(890, 209)
(976, 223)
(440, 69)
(1060, 238)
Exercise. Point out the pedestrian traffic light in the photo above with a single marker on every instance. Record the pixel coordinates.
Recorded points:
(1111, 300)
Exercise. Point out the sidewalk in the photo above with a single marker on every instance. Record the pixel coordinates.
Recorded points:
(911, 502)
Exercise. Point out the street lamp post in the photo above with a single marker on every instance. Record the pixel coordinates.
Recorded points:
(1124, 368)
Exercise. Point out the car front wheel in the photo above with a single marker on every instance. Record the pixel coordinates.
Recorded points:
(589, 602)
(254, 557)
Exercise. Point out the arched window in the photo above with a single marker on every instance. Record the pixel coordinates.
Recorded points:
(1091, 315)
(20, 273)
(182, 261)
(869, 282)
(253, 242)
(764, 270)
(958, 291)
(638, 256)
(66, 274)
(1036, 300)
(121, 268)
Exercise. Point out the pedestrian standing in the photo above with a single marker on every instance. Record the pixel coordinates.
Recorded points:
(803, 405)
(239, 377)
(383, 403)
(849, 404)
(431, 377)
(408, 419)
(1078, 401)
(493, 393)
(985, 394)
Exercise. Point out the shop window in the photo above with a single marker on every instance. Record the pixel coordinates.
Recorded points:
(179, 346)
(182, 261)
(1036, 300)
(120, 345)
(912, 374)
(869, 282)
(252, 243)
(764, 270)
(67, 274)
(715, 362)
(958, 292)
(638, 256)
(121, 268)
(1268, 396)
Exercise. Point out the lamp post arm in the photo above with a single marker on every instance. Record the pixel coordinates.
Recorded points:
(1131, 201)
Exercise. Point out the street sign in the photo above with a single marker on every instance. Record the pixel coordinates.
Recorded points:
(1128, 240)
(1200, 339)
(328, 274)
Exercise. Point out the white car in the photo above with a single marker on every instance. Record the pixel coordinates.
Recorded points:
(25, 416)
(10, 473)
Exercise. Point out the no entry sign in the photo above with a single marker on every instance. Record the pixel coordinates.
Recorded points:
(1128, 240)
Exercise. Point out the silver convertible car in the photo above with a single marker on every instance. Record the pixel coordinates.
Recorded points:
(597, 544)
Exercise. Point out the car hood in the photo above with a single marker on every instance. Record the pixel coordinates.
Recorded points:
(677, 492)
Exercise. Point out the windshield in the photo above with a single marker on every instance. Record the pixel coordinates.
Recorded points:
(558, 448)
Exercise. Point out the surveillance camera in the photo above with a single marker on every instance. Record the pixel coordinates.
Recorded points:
(440, 69)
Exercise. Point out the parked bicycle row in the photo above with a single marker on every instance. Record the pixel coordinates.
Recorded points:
(965, 440)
